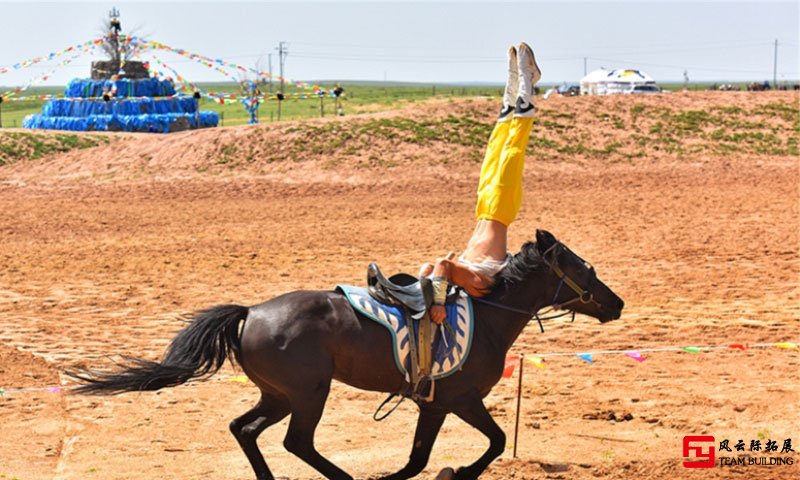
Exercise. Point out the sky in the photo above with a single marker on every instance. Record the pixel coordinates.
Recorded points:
(443, 42)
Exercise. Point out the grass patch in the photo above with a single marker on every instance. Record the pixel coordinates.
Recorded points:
(227, 154)
(330, 138)
(16, 146)
(690, 120)
(786, 111)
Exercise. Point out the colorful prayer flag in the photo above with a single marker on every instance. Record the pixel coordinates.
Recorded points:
(634, 354)
(586, 357)
(511, 365)
(538, 362)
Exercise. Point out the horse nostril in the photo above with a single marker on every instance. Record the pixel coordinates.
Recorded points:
(620, 304)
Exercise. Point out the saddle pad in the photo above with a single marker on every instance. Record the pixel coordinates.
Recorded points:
(449, 352)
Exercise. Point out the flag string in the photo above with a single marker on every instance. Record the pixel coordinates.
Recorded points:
(536, 359)
(737, 346)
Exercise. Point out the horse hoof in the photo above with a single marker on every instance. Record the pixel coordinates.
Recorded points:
(446, 474)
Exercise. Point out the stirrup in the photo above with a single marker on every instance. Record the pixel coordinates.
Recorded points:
(425, 383)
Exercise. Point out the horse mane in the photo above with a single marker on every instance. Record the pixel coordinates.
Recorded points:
(527, 261)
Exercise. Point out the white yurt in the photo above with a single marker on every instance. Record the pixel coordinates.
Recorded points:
(607, 82)
(594, 82)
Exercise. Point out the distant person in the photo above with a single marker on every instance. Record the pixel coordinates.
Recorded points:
(499, 190)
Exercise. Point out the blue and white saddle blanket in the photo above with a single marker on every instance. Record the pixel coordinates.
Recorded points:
(449, 351)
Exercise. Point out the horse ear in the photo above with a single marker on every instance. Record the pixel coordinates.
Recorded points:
(544, 240)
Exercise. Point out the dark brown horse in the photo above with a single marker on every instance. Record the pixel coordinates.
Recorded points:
(292, 346)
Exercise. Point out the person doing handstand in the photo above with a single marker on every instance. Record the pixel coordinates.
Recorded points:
(499, 190)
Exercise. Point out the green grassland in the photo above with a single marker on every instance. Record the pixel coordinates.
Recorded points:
(358, 98)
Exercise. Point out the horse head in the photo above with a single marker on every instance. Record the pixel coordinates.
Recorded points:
(577, 287)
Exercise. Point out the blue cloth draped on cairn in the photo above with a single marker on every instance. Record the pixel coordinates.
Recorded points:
(143, 105)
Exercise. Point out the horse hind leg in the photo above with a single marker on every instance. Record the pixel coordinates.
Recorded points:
(307, 409)
(271, 409)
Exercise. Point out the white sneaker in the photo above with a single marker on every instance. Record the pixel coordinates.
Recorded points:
(529, 74)
(512, 85)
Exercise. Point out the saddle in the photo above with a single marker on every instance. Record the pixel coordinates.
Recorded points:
(402, 290)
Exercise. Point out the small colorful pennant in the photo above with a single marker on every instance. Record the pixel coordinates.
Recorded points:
(636, 355)
(511, 365)
(538, 362)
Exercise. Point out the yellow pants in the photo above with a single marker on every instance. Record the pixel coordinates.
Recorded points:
(500, 185)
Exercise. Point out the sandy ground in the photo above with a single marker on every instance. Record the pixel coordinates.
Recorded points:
(703, 248)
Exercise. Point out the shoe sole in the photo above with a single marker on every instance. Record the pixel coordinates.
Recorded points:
(538, 74)
(511, 83)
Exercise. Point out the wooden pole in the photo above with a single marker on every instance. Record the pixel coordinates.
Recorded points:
(519, 398)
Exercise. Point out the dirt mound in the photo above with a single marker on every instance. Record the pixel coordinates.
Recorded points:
(440, 136)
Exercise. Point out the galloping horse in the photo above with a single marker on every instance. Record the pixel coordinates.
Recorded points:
(292, 346)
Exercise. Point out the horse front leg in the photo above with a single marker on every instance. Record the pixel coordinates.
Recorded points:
(428, 425)
(474, 412)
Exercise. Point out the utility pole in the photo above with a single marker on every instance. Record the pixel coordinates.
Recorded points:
(584, 66)
(775, 67)
(282, 52)
(269, 59)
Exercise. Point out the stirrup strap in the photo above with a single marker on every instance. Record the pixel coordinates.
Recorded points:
(412, 345)
(425, 346)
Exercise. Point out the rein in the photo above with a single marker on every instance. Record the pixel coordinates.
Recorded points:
(584, 295)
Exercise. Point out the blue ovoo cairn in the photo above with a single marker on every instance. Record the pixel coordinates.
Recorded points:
(122, 105)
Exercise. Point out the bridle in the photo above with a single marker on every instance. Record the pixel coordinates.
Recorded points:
(584, 295)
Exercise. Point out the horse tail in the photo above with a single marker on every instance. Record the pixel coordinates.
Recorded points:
(199, 350)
